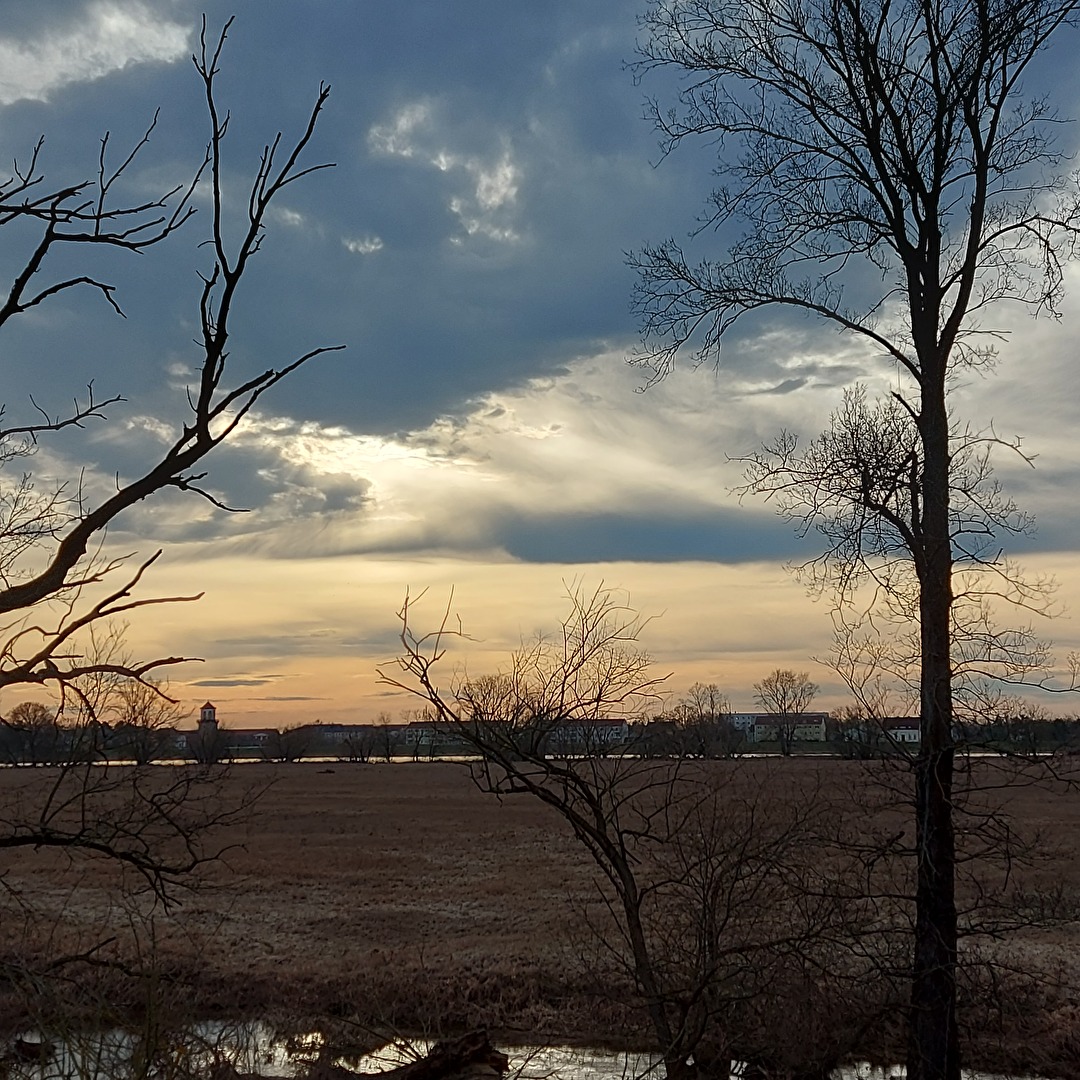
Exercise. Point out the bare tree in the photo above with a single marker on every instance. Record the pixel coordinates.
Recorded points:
(703, 720)
(787, 695)
(144, 720)
(359, 745)
(710, 897)
(293, 743)
(123, 717)
(48, 557)
(52, 563)
(388, 737)
(363, 742)
(58, 582)
(892, 142)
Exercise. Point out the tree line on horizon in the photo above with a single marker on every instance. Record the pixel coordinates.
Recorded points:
(140, 724)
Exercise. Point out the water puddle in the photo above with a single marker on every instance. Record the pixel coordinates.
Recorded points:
(222, 1051)
(231, 1051)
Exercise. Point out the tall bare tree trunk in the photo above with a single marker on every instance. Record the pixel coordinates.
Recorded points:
(933, 1050)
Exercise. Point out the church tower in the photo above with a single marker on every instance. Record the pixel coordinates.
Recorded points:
(208, 717)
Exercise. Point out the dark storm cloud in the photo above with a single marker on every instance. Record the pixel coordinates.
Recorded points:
(492, 167)
(436, 314)
(724, 536)
(470, 238)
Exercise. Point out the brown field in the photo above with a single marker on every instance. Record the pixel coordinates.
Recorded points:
(401, 894)
(400, 883)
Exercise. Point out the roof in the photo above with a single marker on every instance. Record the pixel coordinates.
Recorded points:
(901, 723)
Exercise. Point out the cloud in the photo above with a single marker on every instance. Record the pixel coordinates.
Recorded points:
(786, 387)
(293, 218)
(287, 640)
(575, 466)
(287, 697)
(485, 208)
(714, 622)
(557, 470)
(363, 245)
(1024, 400)
(397, 137)
(562, 469)
(724, 536)
(484, 214)
(97, 39)
(264, 472)
(230, 682)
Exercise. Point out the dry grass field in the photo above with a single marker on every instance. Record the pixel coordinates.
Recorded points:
(400, 884)
(402, 894)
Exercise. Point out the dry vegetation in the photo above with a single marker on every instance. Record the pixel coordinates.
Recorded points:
(400, 896)
(395, 889)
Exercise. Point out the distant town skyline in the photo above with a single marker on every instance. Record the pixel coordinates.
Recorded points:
(482, 434)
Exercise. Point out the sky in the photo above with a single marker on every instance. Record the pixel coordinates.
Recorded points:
(482, 436)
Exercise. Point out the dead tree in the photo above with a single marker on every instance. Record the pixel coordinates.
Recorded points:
(703, 725)
(892, 142)
(787, 695)
(58, 581)
(144, 719)
(50, 561)
(708, 875)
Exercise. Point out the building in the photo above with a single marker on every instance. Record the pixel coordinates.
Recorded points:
(902, 729)
(743, 722)
(587, 736)
(873, 736)
(210, 742)
(804, 727)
